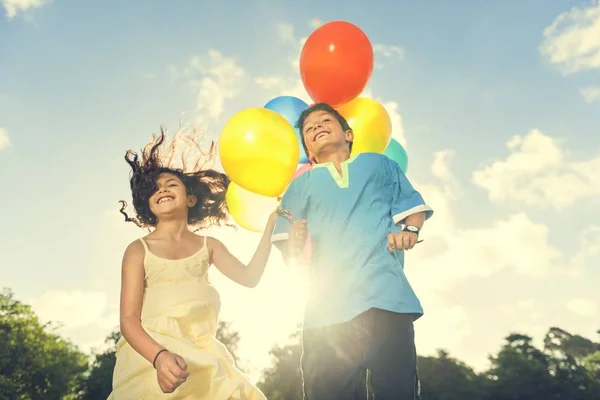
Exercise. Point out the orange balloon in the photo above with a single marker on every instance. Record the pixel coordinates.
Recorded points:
(371, 124)
(336, 63)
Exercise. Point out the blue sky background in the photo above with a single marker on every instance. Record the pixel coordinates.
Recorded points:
(514, 245)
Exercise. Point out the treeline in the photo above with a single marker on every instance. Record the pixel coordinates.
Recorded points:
(36, 363)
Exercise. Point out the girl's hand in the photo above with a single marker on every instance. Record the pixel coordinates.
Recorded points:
(272, 221)
(171, 371)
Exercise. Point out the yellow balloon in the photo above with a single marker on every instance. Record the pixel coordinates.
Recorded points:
(259, 151)
(251, 211)
(370, 123)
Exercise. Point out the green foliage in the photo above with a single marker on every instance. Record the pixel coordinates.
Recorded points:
(567, 368)
(34, 362)
(98, 385)
(229, 338)
(445, 378)
(283, 381)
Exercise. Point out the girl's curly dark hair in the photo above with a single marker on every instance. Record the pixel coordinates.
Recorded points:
(209, 186)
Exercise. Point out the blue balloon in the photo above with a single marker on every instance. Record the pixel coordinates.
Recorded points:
(290, 108)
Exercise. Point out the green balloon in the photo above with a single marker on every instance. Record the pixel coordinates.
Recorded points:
(394, 151)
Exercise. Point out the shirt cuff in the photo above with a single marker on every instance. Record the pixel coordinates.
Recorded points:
(278, 237)
(420, 208)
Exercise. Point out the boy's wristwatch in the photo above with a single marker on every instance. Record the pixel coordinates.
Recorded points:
(411, 228)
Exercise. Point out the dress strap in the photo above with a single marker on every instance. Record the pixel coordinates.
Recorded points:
(144, 244)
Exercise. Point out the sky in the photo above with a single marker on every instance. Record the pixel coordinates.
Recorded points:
(497, 104)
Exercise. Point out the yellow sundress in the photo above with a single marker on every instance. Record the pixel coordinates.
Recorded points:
(180, 311)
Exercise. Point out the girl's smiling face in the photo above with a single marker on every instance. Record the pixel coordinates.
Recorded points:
(171, 196)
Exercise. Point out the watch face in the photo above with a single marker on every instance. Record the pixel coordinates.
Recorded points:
(412, 228)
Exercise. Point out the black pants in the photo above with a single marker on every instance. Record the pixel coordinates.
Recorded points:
(335, 359)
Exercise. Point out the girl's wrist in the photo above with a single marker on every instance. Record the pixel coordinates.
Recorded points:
(156, 356)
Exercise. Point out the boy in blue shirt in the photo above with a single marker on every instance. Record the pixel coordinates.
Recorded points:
(362, 213)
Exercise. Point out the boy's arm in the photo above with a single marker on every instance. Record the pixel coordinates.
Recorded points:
(408, 206)
(416, 219)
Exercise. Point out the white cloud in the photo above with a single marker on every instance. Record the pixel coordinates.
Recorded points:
(268, 82)
(591, 93)
(286, 32)
(572, 41)
(451, 253)
(71, 309)
(588, 253)
(283, 86)
(216, 77)
(4, 139)
(388, 51)
(538, 173)
(451, 320)
(441, 170)
(315, 23)
(582, 307)
(13, 7)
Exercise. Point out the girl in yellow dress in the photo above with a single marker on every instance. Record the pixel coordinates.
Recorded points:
(169, 310)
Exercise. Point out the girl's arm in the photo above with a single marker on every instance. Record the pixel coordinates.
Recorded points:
(246, 275)
(171, 368)
(132, 291)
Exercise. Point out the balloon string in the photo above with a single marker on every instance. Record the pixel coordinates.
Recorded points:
(283, 212)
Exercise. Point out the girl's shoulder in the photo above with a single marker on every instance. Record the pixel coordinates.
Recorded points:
(210, 242)
(134, 253)
(137, 246)
(213, 244)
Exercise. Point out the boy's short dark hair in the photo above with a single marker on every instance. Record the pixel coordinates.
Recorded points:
(321, 107)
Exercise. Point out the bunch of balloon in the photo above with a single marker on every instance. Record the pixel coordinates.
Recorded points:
(259, 151)
(336, 64)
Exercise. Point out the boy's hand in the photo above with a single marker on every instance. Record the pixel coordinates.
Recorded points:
(297, 237)
(402, 240)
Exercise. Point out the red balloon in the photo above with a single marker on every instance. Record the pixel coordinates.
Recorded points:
(336, 63)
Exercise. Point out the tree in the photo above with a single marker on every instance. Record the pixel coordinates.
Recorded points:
(283, 381)
(229, 337)
(519, 371)
(568, 368)
(568, 364)
(563, 370)
(445, 378)
(591, 364)
(34, 362)
(99, 382)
